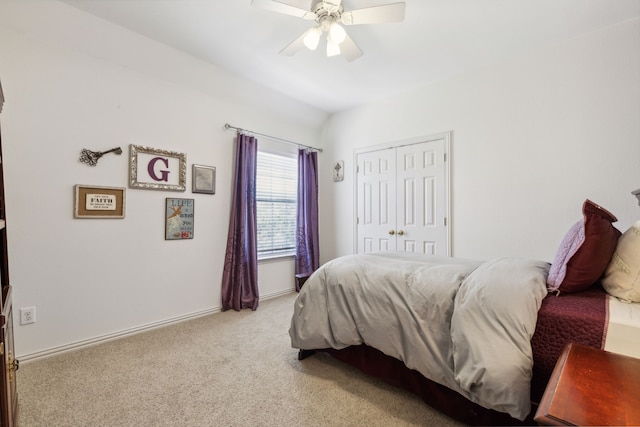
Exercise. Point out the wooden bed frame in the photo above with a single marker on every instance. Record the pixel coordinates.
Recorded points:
(392, 371)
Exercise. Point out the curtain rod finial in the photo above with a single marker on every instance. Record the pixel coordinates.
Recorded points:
(637, 194)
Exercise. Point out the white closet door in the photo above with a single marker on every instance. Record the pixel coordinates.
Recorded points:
(402, 199)
(376, 201)
(421, 193)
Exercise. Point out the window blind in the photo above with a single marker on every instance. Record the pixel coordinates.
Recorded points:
(276, 193)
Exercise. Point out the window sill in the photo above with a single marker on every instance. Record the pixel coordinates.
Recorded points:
(276, 257)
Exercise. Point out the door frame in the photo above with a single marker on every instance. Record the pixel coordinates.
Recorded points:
(446, 136)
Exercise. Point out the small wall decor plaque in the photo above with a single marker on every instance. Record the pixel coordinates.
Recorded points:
(154, 169)
(203, 179)
(178, 219)
(99, 202)
(338, 171)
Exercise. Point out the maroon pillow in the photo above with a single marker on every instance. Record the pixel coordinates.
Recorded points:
(589, 262)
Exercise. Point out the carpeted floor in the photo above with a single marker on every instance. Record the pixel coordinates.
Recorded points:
(226, 369)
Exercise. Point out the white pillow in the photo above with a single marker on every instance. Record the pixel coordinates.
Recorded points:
(622, 277)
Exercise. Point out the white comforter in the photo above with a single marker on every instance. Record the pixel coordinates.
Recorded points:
(461, 323)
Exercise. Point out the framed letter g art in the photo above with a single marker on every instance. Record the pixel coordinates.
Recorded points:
(155, 169)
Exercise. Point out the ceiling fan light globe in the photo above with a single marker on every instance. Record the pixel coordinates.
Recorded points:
(337, 33)
(312, 38)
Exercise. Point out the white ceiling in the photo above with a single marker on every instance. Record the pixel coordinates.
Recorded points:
(438, 39)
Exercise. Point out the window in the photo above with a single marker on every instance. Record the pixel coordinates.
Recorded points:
(276, 193)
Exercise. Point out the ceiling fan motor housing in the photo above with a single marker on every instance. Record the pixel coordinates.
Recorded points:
(327, 12)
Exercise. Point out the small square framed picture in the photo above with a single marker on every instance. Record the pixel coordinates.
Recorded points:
(203, 179)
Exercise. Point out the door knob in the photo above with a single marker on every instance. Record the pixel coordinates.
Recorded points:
(392, 232)
(400, 232)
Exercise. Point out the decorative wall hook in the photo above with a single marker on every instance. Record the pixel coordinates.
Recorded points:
(90, 158)
(338, 168)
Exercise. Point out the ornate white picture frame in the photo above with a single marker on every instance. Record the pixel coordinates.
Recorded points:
(156, 169)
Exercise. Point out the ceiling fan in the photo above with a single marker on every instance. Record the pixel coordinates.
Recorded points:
(328, 15)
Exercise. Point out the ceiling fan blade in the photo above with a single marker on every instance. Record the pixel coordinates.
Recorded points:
(393, 12)
(349, 49)
(282, 7)
(296, 45)
(330, 4)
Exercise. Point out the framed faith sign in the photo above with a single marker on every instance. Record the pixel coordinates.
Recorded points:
(99, 202)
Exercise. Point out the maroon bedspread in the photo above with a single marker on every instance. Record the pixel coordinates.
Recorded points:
(579, 318)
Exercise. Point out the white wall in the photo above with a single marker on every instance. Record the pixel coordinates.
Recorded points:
(532, 139)
(78, 82)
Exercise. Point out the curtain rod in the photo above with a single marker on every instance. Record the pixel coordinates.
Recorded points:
(228, 126)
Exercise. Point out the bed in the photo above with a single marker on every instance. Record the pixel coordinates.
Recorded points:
(477, 340)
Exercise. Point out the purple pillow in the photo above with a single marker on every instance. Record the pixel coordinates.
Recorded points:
(568, 247)
(585, 251)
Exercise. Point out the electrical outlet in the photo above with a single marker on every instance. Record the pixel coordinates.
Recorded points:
(27, 315)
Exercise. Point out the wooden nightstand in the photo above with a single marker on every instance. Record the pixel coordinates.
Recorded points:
(591, 387)
(300, 279)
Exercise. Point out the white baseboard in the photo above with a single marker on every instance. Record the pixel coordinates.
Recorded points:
(131, 331)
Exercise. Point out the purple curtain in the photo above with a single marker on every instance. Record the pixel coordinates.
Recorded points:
(240, 276)
(307, 252)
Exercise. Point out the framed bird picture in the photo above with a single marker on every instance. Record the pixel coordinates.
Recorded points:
(178, 219)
